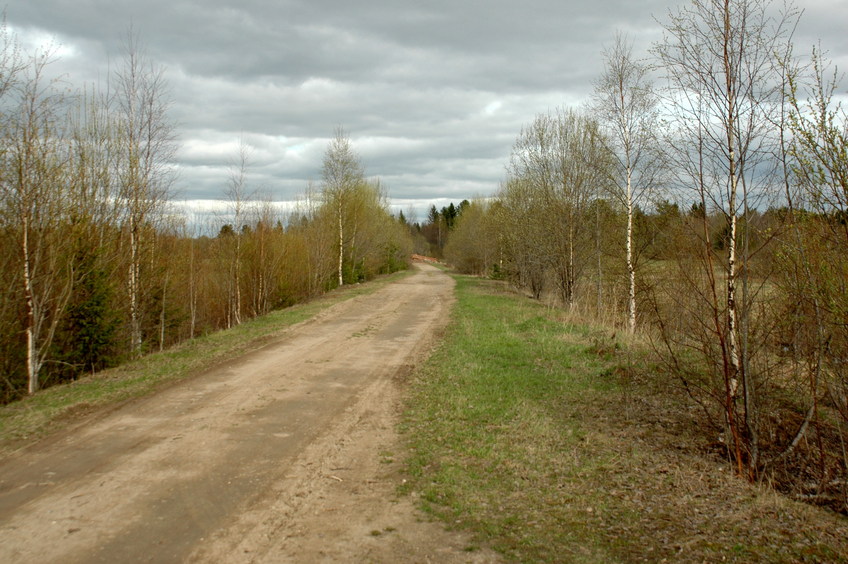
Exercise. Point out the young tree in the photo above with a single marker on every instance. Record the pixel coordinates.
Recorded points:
(819, 125)
(582, 168)
(558, 162)
(264, 257)
(342, 174)
(34, 191)
(473, 246)
(239, 200)
(378, 244)
(724, 87)
(11, 66)
(525, 229)
(627, 108)
(87, 338)
(146, 151)
(815, 258)
(316, 237)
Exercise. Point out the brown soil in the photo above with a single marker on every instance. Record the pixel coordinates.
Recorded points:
(288, 454)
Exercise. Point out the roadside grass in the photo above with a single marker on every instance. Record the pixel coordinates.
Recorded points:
(60, 406)
(552, 442)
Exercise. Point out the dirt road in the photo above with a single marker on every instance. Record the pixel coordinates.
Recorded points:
(288, 454)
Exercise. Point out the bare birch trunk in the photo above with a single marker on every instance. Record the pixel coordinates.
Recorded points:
(627, 104)
(600, 285)
(341, 246)
(192, 293)
(730, 124)
(237, 281)
(133, 289)
(732, 377)
(570, 273)
(32, 367)
(162, 315)
(631, 272)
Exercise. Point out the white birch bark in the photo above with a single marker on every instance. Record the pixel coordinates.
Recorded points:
(143, 167)
(32, 364)
(341, 244)
(631, 271)
(626, 104)
(731, 117)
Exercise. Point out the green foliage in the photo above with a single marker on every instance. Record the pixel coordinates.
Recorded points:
(94, 253)
(395, 258)
(497, 272)
(473, 245)
(698, 210)
(87, 340)
(439, 228)
(354, 273)
(12, 362)
(558, 166)
(367, 240)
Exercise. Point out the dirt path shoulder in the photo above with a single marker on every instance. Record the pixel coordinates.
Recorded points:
(288, 454)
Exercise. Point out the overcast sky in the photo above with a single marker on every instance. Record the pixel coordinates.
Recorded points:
(432, 93)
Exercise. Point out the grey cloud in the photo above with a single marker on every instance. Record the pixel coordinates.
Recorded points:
(433, 93)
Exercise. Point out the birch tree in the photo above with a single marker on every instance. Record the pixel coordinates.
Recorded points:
(10, 68)
(530, 216)
(582, 170)
(145, 175)
(265, 256)
(239, 200)
(317, 233)
(724, 87)
(95, 148)
(34, 189)
(342, 174)
(525, 232)
(626, 106)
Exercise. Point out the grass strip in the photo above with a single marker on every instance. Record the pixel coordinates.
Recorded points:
(56, 407)
(532, 434)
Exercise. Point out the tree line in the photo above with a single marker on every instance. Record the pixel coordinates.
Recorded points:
(699, 199)
(430, 237)
(96, 264)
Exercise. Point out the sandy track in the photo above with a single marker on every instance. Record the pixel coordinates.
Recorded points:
(287, 454)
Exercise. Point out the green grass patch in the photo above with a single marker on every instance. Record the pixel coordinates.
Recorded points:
(56, 407)
(532, 434)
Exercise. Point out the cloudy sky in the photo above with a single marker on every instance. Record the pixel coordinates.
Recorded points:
(432, 93)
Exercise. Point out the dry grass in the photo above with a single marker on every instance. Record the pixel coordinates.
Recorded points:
(555, 443)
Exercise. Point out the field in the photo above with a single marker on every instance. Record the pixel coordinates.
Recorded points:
(554, 442)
